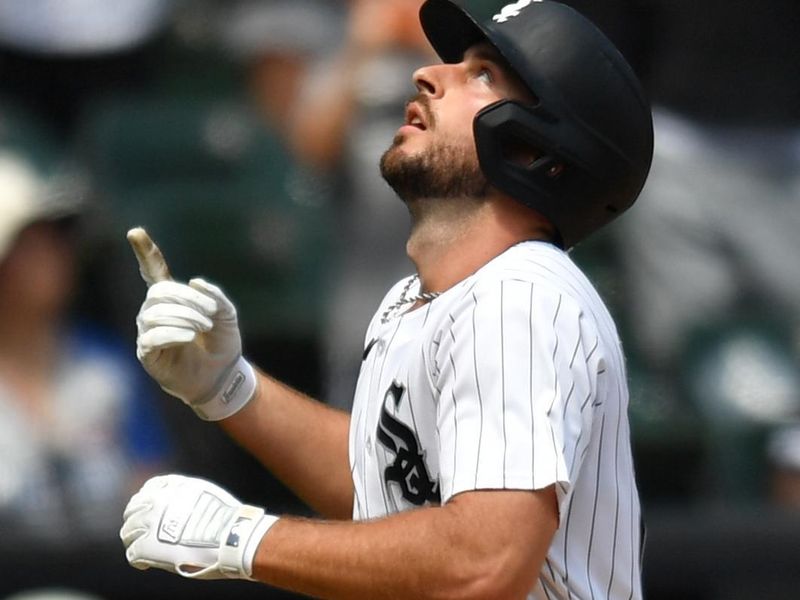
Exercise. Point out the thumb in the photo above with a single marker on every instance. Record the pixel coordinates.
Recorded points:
(152, 265)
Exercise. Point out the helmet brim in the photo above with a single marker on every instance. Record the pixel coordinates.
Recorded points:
(450, 29)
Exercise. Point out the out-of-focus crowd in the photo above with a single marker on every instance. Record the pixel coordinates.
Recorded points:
(245, 135)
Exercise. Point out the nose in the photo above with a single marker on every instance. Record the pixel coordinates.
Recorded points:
(429, 80)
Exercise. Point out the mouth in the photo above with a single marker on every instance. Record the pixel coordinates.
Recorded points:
(415, 117)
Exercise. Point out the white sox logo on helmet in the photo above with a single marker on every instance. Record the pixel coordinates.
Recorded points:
(512, 10)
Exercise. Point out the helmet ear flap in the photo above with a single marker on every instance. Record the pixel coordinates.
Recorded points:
(505, 130)
(517, 156)
(548, 164)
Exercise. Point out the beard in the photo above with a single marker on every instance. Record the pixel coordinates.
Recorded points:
(442, 171)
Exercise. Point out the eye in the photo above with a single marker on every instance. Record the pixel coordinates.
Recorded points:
(485, 75)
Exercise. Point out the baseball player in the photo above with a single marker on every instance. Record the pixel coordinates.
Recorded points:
(487, 454)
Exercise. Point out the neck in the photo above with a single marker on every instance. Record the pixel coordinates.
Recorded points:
(451, 239)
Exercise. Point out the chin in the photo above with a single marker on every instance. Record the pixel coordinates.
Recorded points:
(397, 152)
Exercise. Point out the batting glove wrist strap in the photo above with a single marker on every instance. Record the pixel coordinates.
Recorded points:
(240, 542)
(236, 389)
(193, 528)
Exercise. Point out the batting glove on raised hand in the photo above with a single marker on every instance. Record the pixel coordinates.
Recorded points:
(188, 338)
(192, 527)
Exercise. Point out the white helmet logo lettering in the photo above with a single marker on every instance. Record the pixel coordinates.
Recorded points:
(511, 10)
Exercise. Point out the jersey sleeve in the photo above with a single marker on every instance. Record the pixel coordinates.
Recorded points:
(516, 378)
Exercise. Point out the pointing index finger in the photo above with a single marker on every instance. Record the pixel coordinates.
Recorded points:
(152, 265)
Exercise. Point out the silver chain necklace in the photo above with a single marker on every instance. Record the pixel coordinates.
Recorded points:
(393, 310)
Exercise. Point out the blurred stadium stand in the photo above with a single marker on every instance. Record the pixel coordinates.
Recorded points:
(224, 199)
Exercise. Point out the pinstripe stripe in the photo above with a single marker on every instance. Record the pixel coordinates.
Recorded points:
(575, 351)
(408, 389)
(477, 384)
(531, 359)
(616, 508)
(388, 500)
(435, 344)
(503, 381)
(428, 312)
(576, 445)
(567, 399)
(554, 442)
(594, 506)
(411, 409)
(386, 354)
(356, 491)
(556, 387)
(633, 545)
(592, 351)
(589, 356)
(586, 400)
(636, 562)
(455, 417)
(365, 474)
(548, 586)
(573, 383)
(566, 545)
(555, 351)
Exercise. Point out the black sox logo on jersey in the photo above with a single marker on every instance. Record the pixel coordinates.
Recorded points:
(408, 469)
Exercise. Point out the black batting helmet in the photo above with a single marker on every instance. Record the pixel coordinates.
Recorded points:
(591, 125)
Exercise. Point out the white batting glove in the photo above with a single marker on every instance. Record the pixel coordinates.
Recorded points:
(188, 338)
(192, 527)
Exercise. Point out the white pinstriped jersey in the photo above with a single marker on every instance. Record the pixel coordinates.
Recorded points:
(512, 379)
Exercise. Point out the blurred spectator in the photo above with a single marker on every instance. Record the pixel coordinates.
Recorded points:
(275, 41)
(56, 56)
(77, 432)
(346, 117)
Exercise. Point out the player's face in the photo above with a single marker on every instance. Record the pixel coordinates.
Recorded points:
(433, 154)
